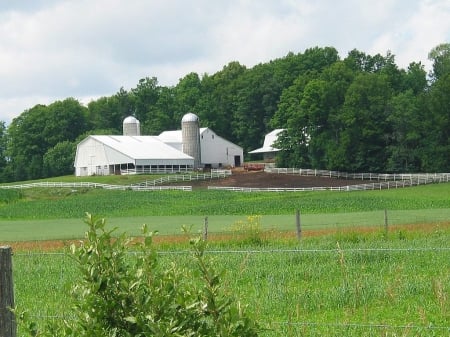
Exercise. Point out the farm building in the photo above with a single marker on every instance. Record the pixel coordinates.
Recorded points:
(268, 150)
(187, 149)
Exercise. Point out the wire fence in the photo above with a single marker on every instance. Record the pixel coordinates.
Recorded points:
(293, 324)
(262, 251)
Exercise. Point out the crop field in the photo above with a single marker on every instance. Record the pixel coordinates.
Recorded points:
(354, 279)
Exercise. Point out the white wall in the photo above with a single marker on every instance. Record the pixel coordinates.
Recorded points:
(90, 157)
(215, 150)
(94, 157)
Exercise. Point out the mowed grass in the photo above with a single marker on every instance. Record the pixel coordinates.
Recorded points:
(68, 229)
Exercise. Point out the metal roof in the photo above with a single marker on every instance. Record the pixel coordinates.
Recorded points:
(131, 120)
(141, 147)
(174, 136)
(189, 117)
(269, 140)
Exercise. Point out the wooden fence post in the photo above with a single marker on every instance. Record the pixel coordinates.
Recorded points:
(298, 224)
(386, 225)
(205, 230)
(7, 319)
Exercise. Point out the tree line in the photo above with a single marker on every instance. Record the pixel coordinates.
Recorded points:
(358, 113)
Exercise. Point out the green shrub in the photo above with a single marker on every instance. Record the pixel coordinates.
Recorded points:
(130, 293)
(9, 196)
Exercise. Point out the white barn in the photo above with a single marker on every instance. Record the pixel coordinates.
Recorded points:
(268, 150)
(187, 149)
(104, 155)
(215, 151)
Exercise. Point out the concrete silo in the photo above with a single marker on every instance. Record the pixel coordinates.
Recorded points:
(190, 137)
(131, 126)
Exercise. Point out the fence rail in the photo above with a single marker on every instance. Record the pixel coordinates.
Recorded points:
(49, 184)
(360, 187)
(214, 174)
(149, 185)
(435, 177)
(384, 181)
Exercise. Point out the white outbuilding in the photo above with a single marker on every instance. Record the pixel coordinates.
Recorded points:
(188, 149)
(268, 150)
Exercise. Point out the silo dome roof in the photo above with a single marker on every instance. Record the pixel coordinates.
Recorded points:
(189, 117)
(130, 120)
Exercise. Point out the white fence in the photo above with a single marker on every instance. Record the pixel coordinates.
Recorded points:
(434, 177)
(214, 174)
(95, 185)
(360, 187)
(150, 185)
(385, 181)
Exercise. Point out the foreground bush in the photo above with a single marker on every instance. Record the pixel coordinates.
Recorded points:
(123, 294)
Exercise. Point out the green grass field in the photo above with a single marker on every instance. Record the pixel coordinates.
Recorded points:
(65, 229)
(345, 283)
(40, 213)
(336, 285)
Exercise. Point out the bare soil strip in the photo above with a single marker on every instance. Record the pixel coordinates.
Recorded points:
(59, 245)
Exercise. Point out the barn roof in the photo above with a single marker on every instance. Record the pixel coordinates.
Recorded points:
(174, 136)
(269, 141)
(141, 147)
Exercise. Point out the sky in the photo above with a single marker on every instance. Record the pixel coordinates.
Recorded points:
(54, 49)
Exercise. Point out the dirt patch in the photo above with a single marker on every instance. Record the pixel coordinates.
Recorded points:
(280, 236)
(259, 179)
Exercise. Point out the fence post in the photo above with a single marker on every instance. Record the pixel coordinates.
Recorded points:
(386, 225)
(298, 224)
(205, 229)
(7, 319)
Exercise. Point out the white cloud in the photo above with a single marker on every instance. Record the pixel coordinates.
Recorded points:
(53, 49)
(252, 34)
(411, 40)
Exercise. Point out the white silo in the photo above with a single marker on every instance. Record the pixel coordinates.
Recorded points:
(131, 126)
(190, 137)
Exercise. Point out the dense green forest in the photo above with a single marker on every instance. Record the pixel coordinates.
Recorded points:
(359, 113)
